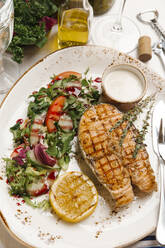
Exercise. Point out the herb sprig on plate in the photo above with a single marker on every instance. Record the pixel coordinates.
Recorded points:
(130, 117)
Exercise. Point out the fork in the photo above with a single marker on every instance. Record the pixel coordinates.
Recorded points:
(158, 50)
(160, 230)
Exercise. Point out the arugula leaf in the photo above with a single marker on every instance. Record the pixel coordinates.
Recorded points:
(66, 139)
(64, 162)
(59, 144)
(53, 151)
(87, 70)
(85, 83)
(69, 102)
(17, 133)
(44, 204)
(40, 104)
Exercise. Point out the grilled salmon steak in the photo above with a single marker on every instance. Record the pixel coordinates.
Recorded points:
(112, 163)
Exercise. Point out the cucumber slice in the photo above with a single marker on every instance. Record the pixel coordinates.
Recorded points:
(37, 128)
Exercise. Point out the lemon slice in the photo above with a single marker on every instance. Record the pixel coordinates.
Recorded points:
(73, 196)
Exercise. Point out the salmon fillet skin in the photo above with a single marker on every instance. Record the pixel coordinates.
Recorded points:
(113, 164)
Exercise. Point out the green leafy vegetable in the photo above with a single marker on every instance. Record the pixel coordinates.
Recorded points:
(40, 104)
(59, 143)
(17, 133)
(16, 177)
(64, 162)
(31, 171)
(26, 172)
(31, 23)
(44, 204)
(85, 83)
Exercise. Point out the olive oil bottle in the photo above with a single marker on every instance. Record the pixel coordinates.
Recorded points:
(74, 23)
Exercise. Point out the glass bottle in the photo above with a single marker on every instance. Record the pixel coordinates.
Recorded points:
(101, 6)
(74, 20)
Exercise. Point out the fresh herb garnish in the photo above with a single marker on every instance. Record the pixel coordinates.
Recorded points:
(141, 134)
(130, 117)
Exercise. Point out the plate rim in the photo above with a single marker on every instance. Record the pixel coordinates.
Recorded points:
(2, 218)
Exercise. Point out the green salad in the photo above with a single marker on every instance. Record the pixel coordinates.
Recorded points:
(43, 141)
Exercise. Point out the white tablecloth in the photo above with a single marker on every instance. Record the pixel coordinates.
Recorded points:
(33, 55)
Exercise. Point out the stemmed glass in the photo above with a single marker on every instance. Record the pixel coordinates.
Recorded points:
(6, 33)
(116, 31)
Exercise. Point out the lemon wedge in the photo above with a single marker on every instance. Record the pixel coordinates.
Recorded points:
(73, 196)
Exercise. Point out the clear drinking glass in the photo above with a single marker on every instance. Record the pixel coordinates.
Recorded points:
(116, 31)
(101, 6)
(6, 33)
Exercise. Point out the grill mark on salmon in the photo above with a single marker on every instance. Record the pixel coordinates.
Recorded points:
(114, 165)
(94, 141)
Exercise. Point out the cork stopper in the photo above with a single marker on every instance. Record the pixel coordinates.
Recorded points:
(144, 48)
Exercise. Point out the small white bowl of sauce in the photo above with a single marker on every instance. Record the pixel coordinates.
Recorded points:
(123, 85)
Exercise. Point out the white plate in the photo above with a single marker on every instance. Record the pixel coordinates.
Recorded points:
(102, 229)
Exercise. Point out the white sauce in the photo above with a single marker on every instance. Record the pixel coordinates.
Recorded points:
(123, 85)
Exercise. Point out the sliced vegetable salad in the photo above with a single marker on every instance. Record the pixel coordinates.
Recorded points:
(43, 141)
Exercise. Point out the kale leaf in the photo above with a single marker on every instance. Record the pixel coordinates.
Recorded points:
(32, 20)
